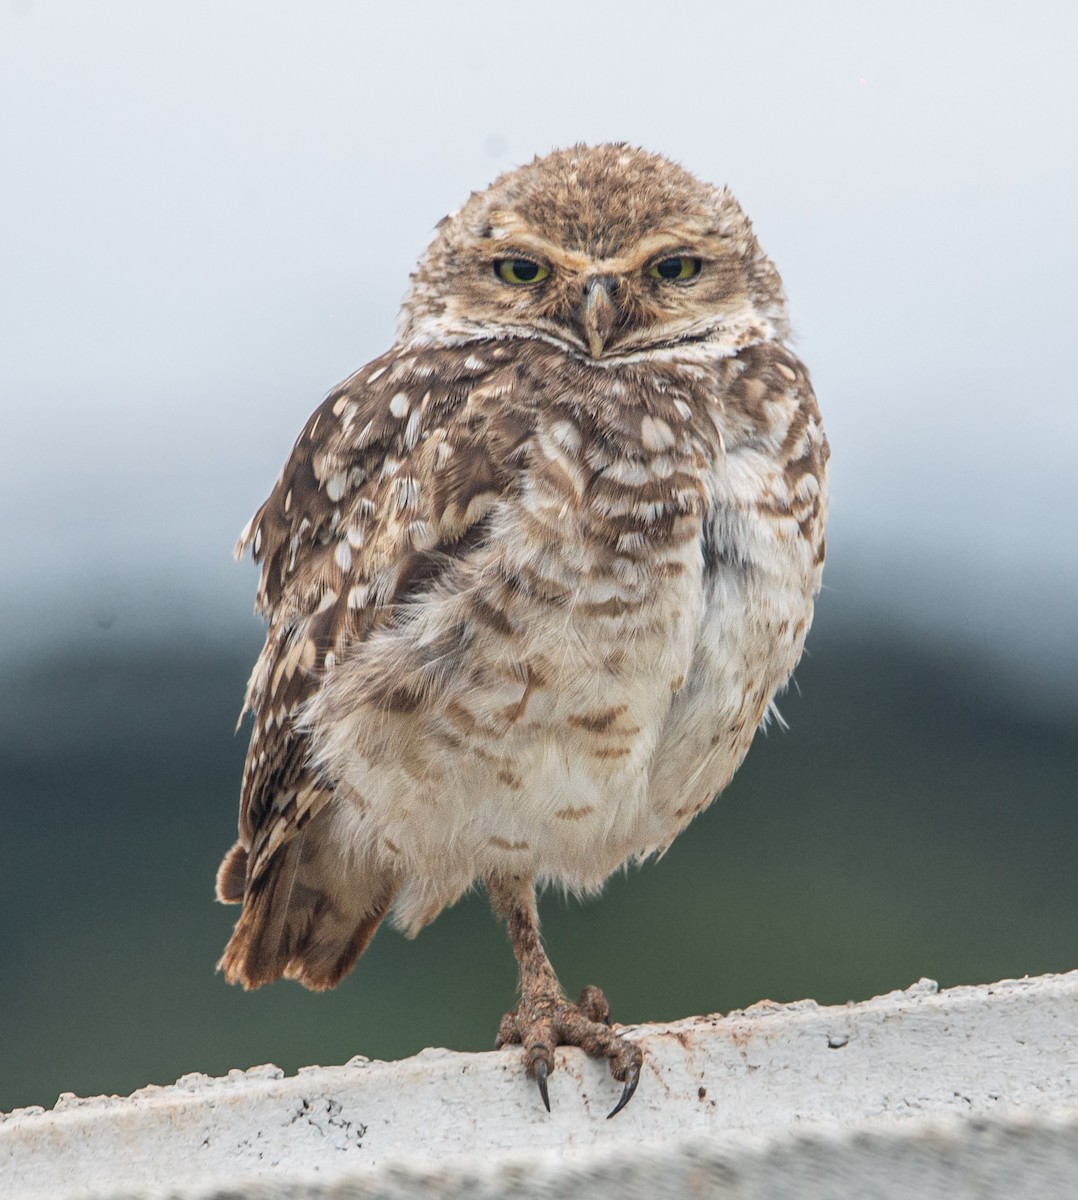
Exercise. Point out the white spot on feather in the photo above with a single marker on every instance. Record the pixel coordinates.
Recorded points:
(342, 556)
(411, 430)
(566, 434)
(399, 405)
(422, 535)
(625, 470)
(407, 493)
(376, 374)
(655, 434)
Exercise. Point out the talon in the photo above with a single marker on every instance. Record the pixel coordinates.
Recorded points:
(540, 1079)
(631, 1080)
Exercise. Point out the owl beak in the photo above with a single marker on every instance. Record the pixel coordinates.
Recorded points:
(598, 315)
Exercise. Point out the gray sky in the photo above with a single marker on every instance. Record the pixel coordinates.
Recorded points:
(209, 210)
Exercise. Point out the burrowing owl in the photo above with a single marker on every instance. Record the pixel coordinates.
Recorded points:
(532, 579)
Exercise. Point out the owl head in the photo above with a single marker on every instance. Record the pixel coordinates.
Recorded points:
(606, 251)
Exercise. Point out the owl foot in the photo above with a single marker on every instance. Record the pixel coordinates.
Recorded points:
(548, 1020)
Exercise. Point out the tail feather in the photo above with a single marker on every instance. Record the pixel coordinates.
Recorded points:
(293, 925)
(232, 875)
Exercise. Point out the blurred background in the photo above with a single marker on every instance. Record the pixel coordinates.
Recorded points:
(208, 213)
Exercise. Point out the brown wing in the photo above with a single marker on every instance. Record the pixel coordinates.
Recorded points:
(391, 476)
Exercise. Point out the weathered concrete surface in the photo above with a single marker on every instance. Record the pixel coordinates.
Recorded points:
(724, 1104)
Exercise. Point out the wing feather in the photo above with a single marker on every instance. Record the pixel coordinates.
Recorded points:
(391, 478)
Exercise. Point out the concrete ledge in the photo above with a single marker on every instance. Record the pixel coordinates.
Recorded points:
(727, 1106)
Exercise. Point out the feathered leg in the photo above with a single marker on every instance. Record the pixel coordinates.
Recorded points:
(544, 1018)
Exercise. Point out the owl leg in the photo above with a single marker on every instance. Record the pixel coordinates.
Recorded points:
(544, 1018)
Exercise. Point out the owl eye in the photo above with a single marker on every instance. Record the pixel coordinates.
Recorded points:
(681, 266)
(519, 270)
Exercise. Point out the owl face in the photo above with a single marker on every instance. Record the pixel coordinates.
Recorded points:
(606, 251)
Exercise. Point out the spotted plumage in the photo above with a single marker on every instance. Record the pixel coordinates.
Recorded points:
(532, 578)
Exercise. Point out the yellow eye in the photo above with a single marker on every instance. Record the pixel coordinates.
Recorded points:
(678, 267)
(519, 270)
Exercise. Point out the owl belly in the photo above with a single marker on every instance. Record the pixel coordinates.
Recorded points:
(564, 793)
(534, 756)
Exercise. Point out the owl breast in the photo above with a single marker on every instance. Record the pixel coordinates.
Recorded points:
(592, 673)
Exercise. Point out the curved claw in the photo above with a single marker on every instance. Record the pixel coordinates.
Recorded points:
(631, 1080)
(540, 1079)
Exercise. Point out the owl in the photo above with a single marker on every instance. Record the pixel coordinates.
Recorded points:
(532, 579)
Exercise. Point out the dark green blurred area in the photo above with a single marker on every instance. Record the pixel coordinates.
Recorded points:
(910, 822)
